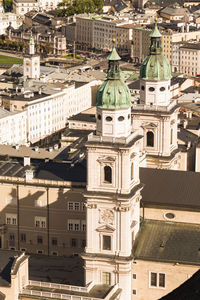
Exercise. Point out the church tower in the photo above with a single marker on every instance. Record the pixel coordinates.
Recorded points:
(32, 62)
(156, 113)
(113, 185)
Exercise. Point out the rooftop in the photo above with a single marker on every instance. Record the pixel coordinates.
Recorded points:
(183, 192)
(168, 242)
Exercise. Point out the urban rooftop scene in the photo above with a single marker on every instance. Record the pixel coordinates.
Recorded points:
(100, 149)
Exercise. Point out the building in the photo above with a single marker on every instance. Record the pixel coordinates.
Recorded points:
(97, 31)
(156, 113)
(13, 127)
(171, 34)
(186, 57)
(7, 19)
(136, 227)
(31, 62)
(21, 7)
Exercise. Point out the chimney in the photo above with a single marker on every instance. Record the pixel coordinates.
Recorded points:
(27, 161)
(29, 175)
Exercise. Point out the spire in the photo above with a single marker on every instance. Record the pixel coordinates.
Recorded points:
(155, 36)
(31, 45)
(113, 64)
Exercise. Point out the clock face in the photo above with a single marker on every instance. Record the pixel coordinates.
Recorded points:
(27, 63)
(36, 63)
(107, 216)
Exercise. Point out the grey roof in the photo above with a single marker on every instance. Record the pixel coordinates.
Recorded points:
(170, 188)
(48, 170)
(191, 46)
(58, 269)
(174, 11)
(168, 242)
(84, 118)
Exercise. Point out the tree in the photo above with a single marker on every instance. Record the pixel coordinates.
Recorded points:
(7, 4)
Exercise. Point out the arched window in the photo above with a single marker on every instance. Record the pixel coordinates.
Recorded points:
(171, 137)
(150, 139)
(108, 174)
(132, 171)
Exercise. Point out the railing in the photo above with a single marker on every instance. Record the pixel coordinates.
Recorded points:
(59, 286)
(154, 107)
(56, 295)
(42, 182)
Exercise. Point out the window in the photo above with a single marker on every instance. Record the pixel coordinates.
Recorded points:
(121, 118)
(150, 139)
(54, 241)
(73, 225)
(99, 117)
(106, 242)
(73, 242)
(83, 225)
(39, 239)
(76, 206)
(107, 174)
(132, 171)
(40, 222)
(106, 278)
(142, 87)
(157, 280)
(151, 89)
(70, 206)
(171, 136)
(23, 237)
(11, 219)
(108, 119)
(83, 243)
(162, 89)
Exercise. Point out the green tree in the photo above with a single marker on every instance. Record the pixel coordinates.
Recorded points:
(7, 4)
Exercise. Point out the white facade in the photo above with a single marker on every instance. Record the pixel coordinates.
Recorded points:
(155, 92)
(13, 127)
(49, 114)
(45, 5)
(114, 123)
(21, 7)
(7, 19)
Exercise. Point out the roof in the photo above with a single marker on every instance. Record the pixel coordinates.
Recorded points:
(47, 171)
(170, 188)
(84, 118)
(190, 289)
(192, 46)
(174, 10)
(168, 242)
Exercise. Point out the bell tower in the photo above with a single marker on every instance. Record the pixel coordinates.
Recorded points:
(31, 62)
(113, 185)
(156, 113)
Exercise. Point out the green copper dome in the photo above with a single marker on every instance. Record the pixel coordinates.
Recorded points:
(113, 93)
(155, 66)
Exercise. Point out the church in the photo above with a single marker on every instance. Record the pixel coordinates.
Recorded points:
(138, 244)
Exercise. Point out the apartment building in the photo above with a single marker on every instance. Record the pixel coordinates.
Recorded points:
(13, 127)
(141, 40)
(48, 106)
(189, 59)
(95, 31)
(21, 7)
